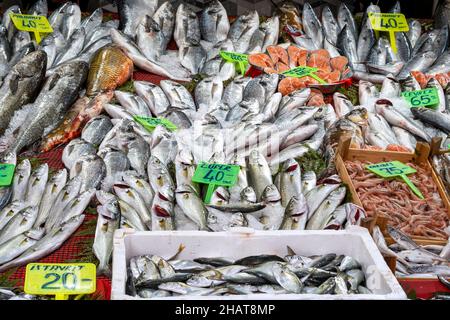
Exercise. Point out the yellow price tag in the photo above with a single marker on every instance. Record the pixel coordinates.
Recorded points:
(32, 23)
(389, 22)
(60, 279)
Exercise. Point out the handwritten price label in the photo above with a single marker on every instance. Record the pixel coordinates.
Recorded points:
(215, 174)
(389, 22)
(31, 23)
(234, 57)
(300, 72)
(395, 169)
(151, 123)
(6, 174)
(422, 98)
(60, 279)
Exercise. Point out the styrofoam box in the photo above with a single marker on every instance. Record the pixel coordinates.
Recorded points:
(242, 242)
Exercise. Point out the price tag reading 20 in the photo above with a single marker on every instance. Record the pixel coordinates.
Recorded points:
(60, 279)
(215, 174)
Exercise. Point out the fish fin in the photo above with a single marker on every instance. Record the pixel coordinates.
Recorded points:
(11, 133)
(14, 83)
(53, 81)
(290, 251)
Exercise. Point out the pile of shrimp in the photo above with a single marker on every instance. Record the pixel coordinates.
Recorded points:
(393, 199)
(279, 60)
(422, 78)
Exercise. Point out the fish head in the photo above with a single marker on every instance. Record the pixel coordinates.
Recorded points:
(358, 116)
(248, 194)
(271, 194)
(290, 165)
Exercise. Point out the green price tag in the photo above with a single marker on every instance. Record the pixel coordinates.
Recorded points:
(395, 169)
(215, 174)
(32, 23)
(239, 58)
(300, 72)
(422, 98)
(60, 279)
(6, 174)
(151, 123)
(389, 22)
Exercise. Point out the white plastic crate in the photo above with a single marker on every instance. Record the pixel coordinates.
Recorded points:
(242, 242)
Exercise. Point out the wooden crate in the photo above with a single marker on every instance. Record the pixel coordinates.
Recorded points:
(420, 156)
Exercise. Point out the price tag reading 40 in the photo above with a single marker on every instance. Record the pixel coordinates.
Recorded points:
(32, 23)
(215, 174)
(390, 22)
(422, 98)
(60, 279)
(395, 169)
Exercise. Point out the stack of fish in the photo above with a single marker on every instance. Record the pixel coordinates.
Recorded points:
(388, 122)
(147, 31)
(146, 178)
(74, 38)
(39, 213)
(373, 59)
(413, 259)
(151, 276)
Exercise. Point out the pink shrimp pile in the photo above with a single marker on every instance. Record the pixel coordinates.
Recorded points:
(393, 199)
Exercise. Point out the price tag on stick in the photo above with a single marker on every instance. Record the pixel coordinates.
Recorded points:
(300, 72)
(32, 23)
(215, 174)
(389, 22)
(6, 174)
(422, 98)
(240, 59)
(151, 123)
(395, 169)
(60, 279)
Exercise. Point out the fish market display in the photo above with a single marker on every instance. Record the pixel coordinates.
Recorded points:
(152, 276)
(130, 147)
(413, 259)
(394, 200)
(372, 57)
(331, 69)
(43, 212)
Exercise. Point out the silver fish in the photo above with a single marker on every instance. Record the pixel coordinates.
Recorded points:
(65, 196)
(20, 223)
(165, 17)
(320, 217)
(19, 244)
(91, 169)
(153, 95)
(214, 24)
(311, 24)
(54, 186)
(107, 222)
(192, 205)
(49, 243)
(20, 181)
(134, 199)
(58, 93)
(36, 185)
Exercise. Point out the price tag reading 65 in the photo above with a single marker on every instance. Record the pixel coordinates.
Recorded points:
(422, 98)
(60, 279)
